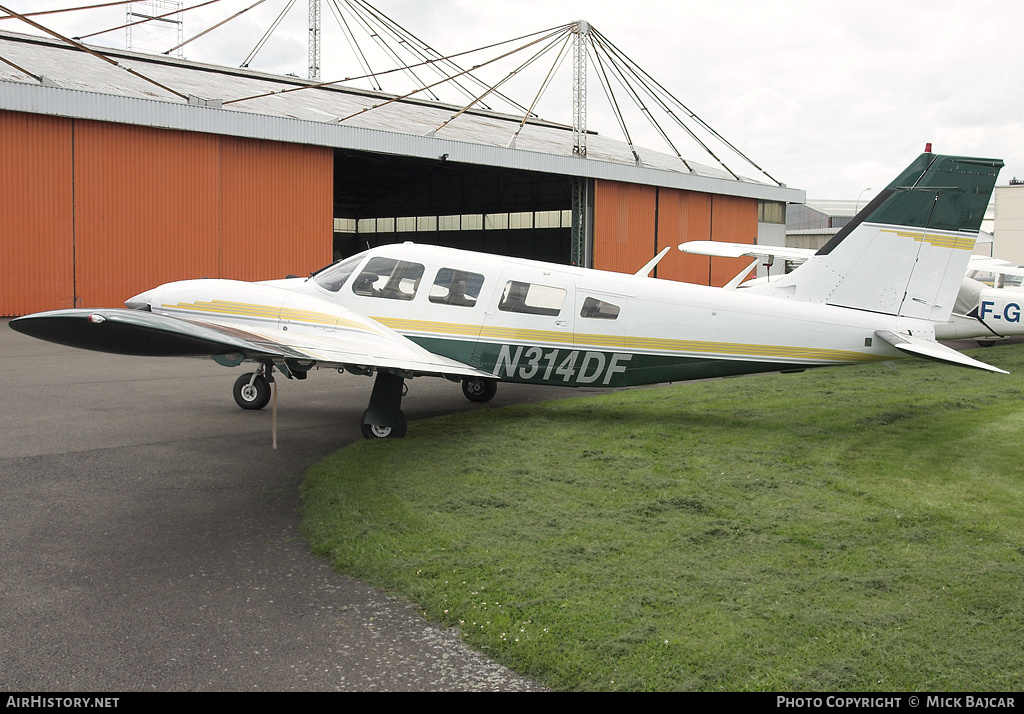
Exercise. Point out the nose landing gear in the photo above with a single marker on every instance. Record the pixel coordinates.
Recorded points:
(384, 418)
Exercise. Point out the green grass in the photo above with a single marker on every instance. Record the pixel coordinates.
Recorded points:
(854, 528)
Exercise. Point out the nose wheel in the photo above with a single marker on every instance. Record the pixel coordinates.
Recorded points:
(379, 431)
(384, 418)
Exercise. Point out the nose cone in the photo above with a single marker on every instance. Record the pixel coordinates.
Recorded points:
(139, 302)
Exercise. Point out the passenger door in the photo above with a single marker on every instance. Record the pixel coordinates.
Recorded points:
(527, 332)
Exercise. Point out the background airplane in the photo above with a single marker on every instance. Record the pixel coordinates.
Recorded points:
(401, 311)
(988, 308)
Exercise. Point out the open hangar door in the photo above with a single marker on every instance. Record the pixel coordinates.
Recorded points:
(381, 199)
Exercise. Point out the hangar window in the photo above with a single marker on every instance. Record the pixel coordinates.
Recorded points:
(531, 298)
(495, 221)
(599, 309)
(456, 287)
(334, 276)
(520, 220)
(771, 212)
(551, 219)
(463, 222)
(389, 278)
(344, 225)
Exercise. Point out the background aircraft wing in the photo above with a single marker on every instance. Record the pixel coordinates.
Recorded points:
(719, 249)
(363, 343)
(994, 265)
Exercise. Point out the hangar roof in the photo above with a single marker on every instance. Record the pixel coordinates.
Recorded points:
(78, 85)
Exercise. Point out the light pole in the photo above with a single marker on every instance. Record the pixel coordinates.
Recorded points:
(856, 209)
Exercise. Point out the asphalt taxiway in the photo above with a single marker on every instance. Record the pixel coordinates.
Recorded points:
(149, 534)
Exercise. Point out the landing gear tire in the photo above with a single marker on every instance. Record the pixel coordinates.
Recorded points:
(478, 389)
(376, 431)
(251, 396)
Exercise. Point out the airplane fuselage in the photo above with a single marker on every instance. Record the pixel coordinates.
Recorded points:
(525, 321)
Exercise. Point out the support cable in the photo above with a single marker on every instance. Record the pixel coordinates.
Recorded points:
(640, 72)
(409, 94)
(383, 25)
(353, 44)
(680, 123)
(544, 50)
(36, 77)
(425, 51)
(650, 117)
(559, 59)
(94, 53)
(66, 9)
(267, 34)
(214, 27)
(148, 19)
(634, 95)
(371, 30)
(603, 80)
(317, 85)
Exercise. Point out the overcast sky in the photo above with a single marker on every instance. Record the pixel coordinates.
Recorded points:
(830, 97)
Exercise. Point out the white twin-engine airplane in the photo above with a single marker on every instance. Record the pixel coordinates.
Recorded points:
(874, 293)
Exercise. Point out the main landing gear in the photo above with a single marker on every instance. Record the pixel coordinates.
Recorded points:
(383, 418)
(252, 390)
(478, 389)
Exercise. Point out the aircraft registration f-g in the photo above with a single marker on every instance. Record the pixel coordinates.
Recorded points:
(874, 292)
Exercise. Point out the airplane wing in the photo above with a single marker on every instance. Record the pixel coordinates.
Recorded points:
(719, 249)
(355, 342)
(994, 265)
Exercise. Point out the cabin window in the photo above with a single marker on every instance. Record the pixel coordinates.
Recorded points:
(996, 280)
(456, 287)
(388, 278)
(334, 276)
(599, 309)
(531, 298)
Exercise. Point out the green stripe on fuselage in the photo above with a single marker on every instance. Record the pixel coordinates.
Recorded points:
(568, 367)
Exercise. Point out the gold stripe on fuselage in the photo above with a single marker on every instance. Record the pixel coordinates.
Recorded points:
(645, 344)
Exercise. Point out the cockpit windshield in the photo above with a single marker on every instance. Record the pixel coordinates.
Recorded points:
(334, 276)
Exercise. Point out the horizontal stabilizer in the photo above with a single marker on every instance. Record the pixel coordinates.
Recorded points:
(929, 349)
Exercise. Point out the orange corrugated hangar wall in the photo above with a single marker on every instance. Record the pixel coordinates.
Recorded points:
(92, 213)
(626, 215)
